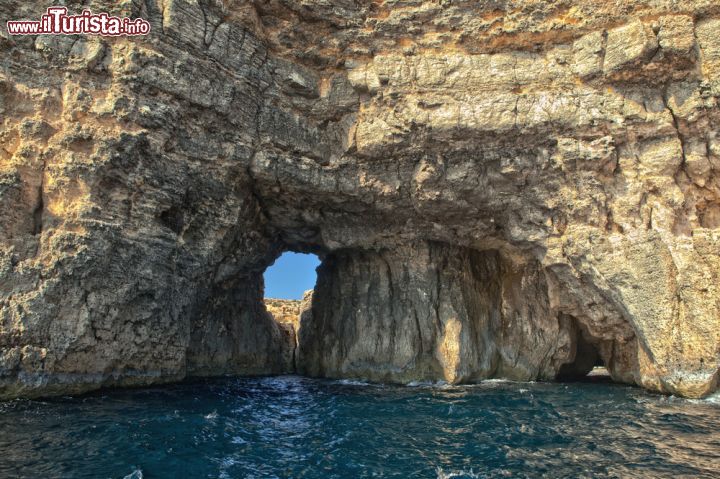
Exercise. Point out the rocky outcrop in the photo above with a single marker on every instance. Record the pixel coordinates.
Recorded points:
(287, 313)
(496, 189)
(431, 311)
(428, 312)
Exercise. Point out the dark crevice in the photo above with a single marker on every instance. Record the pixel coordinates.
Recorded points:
(38, 213)
(586, 357)
(173, 218)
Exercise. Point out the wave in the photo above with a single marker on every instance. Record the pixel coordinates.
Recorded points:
(423, 384)
(711, 399)
(354, 382)
(456, 474)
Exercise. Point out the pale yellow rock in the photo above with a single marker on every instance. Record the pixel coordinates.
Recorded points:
(697, 162)
(588, 54)
(628, 45)
(660, 157)
(449, 350)
(676, 34)
(706, 32)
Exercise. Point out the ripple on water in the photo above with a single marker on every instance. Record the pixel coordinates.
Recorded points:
(295, 427)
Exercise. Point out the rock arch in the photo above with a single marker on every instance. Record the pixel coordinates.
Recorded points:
(530, 179)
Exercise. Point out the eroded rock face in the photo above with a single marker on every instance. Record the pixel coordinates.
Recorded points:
(286, 311)
(542, 171)
(431, 311)
(287, 314)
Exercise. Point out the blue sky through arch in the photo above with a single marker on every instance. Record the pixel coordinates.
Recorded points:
(291, 275)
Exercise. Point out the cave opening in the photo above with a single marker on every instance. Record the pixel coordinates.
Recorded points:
(291, 276)
(422, 312)
(588, 363)
(288, 286)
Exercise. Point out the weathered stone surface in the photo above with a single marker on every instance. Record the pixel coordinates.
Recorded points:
(706, 32)
(431, 311)
(285, 310)
(676, 34)
(287, 314)
(546, 173)
(628, 45)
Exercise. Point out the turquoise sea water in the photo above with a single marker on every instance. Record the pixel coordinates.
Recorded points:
(295, 427)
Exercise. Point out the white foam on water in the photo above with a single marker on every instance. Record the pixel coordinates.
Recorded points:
(713, 399)
(432, 384)
(456, 474)
(225, 464)
(526, 429)
(419, 384)
(353, 382)
(136, 474)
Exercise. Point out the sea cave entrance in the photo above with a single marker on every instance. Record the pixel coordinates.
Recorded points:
(291, 275)
(288, 286)
(426, 311)
(588, 363)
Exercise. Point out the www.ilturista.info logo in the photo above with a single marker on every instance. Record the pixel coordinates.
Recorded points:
(57, 22)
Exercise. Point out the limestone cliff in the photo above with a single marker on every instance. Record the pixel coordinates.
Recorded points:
(287, 314)
(286, 311)
(495, 187)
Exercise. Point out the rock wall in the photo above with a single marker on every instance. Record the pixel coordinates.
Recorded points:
(428, 312)
(432, 311)
(287, 314)
(286, 311)
(543, 171)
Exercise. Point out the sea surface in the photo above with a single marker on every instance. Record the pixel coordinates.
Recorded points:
(295, 427)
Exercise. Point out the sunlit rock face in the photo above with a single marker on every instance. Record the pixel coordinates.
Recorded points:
(287, 314)
(492, 186)
(431, 311)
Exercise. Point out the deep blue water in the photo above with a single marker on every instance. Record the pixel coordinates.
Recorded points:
(295, 427)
